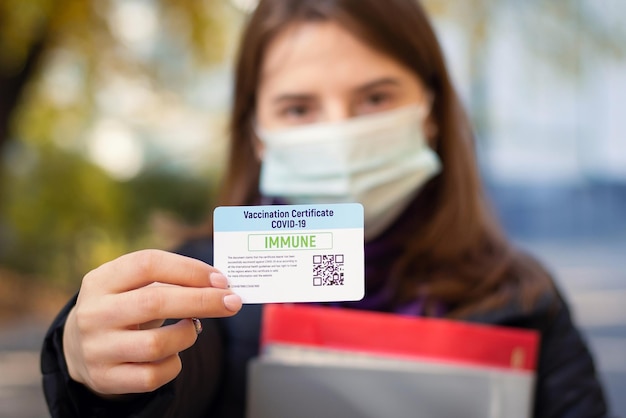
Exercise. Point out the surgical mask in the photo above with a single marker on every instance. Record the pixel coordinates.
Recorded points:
(379, 160)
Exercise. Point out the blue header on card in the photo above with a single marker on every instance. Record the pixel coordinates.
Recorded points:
(288, 217)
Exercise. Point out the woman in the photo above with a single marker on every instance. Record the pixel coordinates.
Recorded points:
(312, 74)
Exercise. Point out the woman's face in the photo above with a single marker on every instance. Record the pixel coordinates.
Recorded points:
(319, 72)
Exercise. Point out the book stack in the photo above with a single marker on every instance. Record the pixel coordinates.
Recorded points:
(321, 361)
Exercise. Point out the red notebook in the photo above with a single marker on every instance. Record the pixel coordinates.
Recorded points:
(390, 335)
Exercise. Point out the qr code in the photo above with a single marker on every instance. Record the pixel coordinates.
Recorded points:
(328, 270)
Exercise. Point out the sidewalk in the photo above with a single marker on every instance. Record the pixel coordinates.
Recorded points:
(21, 395)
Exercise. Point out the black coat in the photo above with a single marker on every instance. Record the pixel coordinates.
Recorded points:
(212, 383)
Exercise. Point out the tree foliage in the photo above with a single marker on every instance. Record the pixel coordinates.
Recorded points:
(61, 215)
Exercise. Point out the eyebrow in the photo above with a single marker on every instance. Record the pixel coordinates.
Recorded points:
(381, 82)
(289, 97)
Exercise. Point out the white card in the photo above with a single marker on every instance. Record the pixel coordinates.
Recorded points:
(291, 253)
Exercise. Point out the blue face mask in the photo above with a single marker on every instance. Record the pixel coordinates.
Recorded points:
(379, 160)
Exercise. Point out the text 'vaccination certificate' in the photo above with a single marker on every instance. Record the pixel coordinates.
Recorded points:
(291, 253)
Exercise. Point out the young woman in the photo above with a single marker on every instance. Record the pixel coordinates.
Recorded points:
(335, 100)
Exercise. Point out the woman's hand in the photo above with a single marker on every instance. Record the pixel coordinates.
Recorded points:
(113, 340)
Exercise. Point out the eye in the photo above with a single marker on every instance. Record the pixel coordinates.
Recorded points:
(375, 101)
(297, 113)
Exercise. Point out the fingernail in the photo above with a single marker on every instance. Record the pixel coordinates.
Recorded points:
(218, 280)
(232, 302)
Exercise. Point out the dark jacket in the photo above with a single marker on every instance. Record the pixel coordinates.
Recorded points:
(213, 380)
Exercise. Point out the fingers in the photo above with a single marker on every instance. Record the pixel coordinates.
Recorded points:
(144, 346)
(155, 323)
(133, 361)
(135, 377)
(141, 268)
(143, 305)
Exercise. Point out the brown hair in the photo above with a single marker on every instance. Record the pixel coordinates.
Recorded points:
(456, 254)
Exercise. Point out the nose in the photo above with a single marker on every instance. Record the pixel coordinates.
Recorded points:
(337, 111)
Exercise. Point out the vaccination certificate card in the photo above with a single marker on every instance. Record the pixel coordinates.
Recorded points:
(291, 253)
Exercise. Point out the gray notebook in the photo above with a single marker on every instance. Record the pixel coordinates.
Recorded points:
(310, 383)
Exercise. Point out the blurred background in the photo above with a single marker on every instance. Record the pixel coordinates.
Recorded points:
(113, 121)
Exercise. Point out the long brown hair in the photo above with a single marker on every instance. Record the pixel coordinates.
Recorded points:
(456, 254)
